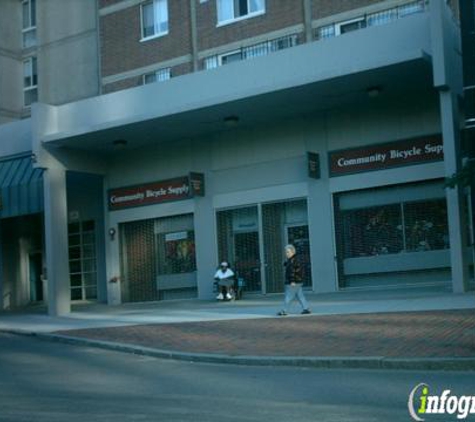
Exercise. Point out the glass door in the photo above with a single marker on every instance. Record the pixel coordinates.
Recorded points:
(239, 244)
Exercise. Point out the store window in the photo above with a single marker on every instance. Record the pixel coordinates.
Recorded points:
(154, 15)
(176, 252)
(232, 10)
(82, 260)
(158, 259)
(395, 228)
(385, 234)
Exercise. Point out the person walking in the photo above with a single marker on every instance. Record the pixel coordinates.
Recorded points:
(293, 282)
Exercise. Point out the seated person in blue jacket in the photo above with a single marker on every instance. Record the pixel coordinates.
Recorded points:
(225, 279)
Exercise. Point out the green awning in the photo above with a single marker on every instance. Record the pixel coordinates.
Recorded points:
(21, 187)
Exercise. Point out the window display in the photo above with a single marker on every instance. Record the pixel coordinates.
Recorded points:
(179, 253)
(390, 229)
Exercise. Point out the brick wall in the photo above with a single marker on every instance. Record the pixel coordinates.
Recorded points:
(120, 32)
(324, 8)
(279, 14)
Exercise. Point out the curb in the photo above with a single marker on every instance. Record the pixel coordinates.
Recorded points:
(336, 362)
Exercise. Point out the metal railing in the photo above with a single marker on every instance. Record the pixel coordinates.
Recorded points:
(249, 52)
(373, 19)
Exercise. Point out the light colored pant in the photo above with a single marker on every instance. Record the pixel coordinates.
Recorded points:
(294, 292)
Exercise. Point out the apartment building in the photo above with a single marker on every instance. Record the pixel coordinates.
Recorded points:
(225, 129)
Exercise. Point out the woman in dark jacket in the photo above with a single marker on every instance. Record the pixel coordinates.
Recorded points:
(293, 282)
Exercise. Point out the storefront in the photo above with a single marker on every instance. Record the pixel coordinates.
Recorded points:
(395, 234)
(158, 259)
(392, 235)
(252, 240)
(157, 253)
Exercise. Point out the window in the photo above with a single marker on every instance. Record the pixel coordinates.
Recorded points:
(348, 26)
(414, 226)
(30, 81)
(29, 23)
(382, 18)
(157, 76)
(154, 18)
(231, 10)
(82, 260)
(176, 252)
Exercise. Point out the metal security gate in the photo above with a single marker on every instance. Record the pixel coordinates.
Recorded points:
(392, 236)
(158, 259)
(252, 240)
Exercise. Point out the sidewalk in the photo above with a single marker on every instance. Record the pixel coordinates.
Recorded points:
(409, 329)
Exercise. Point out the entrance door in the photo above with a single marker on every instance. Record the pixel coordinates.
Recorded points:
(297, 235)
(247, 259)
(36, 284)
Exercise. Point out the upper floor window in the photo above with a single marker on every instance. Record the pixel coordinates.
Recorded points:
(29, 23)
(30, 81)
(154, 18)
(232, 10)
(157, 76)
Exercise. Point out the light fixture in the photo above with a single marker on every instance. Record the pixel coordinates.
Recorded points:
(373, 91)
(120, 143)
(231, 121)
(112, 233)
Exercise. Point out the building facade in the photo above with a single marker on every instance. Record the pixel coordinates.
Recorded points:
(224, 130)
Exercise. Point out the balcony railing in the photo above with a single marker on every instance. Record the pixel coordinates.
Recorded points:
(245, 53)
(374, 19)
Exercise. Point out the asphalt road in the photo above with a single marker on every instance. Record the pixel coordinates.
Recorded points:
(51, 382)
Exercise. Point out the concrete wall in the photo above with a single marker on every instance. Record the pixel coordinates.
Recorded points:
(68, 65)
(10, 61)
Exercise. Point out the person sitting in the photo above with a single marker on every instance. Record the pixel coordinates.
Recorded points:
(225, 279)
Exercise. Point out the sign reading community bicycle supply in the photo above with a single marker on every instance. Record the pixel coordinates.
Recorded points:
(152, 193)
(386, 156)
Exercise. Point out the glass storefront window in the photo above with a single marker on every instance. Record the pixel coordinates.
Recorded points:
(405, 227)
(373, 231)
(426, 226)
(176, 252)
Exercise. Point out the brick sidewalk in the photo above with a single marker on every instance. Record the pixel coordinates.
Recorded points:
(437, 334)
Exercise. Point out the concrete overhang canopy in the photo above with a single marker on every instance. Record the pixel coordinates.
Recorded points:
(297, 81)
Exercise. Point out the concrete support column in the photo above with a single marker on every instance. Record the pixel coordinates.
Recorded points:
(321, 238)
(307, 16)
(56, 240)
(455, 198)
(206, 245)
(194, 35)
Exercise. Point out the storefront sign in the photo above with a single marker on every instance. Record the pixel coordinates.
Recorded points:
(172, 237)
(313, 160)
(197, 184)
(151, 193)
(379, 157)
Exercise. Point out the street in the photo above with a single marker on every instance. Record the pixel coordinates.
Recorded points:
(45, 381)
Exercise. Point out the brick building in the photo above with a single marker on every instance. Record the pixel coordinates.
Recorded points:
(149, 140)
